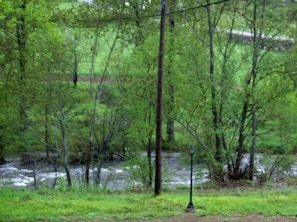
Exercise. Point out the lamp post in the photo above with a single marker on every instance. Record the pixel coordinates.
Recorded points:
(191, 207)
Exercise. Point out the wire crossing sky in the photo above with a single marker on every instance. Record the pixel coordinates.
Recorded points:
(167, 13)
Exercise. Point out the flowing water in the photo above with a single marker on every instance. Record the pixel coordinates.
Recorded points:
(114, 175)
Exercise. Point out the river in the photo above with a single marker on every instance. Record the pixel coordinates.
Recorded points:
(115, 175)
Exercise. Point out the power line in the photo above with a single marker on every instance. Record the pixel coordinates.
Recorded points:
(158, 15)
(197, 7)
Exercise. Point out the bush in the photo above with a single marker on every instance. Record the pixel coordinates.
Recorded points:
(139, 171)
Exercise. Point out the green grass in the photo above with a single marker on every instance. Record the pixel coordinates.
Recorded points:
(84, 204)
(280, 202)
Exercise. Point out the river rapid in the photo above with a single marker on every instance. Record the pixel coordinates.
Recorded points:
(117, 175)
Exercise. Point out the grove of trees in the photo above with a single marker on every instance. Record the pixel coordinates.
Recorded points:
(78, 83)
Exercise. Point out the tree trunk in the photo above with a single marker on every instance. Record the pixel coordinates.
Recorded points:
(65, 148)
(254, 144)
(98, 173)
(256, 47)
(149, 161)
(75, 67)
(46, 134)
(22, 43)
(2, 154)
(249, 95)
(241, 138)
(215, 113)
(89, 157)
(34, 168)
(171, 91)
(217, 166)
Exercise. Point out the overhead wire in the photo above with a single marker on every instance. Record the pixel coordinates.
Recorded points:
(197, 7)
(167, 13)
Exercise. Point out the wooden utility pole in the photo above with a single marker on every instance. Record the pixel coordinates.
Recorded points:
(158, 174)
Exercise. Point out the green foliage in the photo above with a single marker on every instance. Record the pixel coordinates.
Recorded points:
(139, 171)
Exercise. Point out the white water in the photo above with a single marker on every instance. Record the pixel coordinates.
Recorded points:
(114, 175)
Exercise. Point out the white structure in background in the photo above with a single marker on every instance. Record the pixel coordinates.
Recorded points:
(126, 2)
(273, 42)
(86, 1)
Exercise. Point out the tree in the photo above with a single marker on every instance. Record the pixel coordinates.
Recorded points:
(170, 108)
(260, 24)
(25, 22)
(227, 85)
(140, 71)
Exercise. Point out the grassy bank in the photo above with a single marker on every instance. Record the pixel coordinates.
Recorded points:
(82, 204)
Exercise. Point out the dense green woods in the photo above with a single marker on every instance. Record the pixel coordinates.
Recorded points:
(78, 82)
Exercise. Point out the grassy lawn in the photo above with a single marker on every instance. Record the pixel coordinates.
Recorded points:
(84, 204)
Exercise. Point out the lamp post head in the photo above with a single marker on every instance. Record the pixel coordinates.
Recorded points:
(192, 149)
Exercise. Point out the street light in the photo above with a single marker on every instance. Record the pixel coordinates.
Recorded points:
(191, 207)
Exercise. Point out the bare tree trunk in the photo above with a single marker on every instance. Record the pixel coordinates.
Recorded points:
(22, 44)
(98, 173)
(170, 72)
(75, 62)
(241, 138)
(46, 133)
(215, 113)
(65, 148)
(34, 173)
(75, 71)
(89, 154)
(149, 147)
(254, 143)
(55, 170)
(256, 44)
(150, 166)
(2, 155)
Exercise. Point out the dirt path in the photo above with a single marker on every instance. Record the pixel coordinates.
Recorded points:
(190, 217)
(250, 218)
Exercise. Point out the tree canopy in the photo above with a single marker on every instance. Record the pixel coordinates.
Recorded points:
(79, 79)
